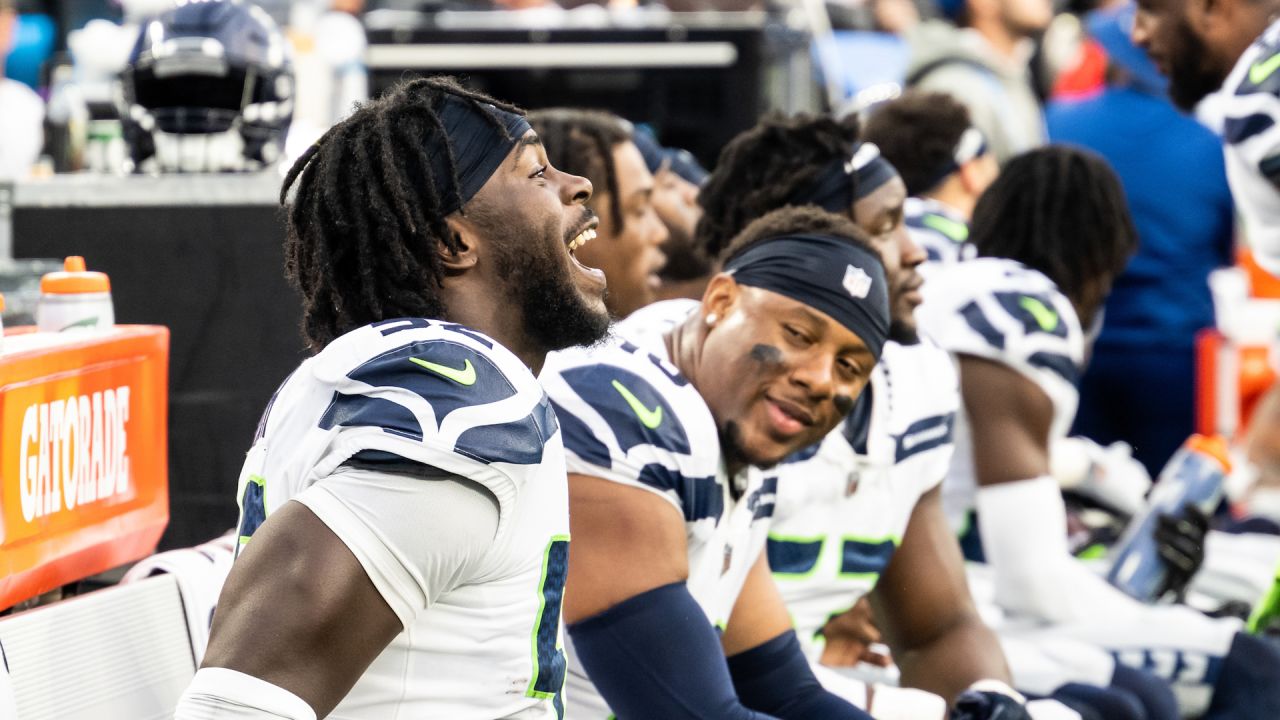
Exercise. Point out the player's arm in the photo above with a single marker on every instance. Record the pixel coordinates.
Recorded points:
(1021, 516)
(770, 672)
(328, 580)
(299, 613)
(642, 639)
(923, 604)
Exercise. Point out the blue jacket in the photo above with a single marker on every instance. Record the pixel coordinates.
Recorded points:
(1172, 170)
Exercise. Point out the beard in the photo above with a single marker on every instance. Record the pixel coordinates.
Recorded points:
(556, 315)
(1189, 79)
(903, 333)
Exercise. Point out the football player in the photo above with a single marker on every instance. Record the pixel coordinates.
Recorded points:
(403, 508)
(944, 162)
(670, 429)
(1232, 45)
(825, 498)
(599, 147)
(1051, 233)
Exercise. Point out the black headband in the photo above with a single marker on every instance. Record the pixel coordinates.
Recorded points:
(841, 183)
(971, 145)
(826, 273)
(478, 147)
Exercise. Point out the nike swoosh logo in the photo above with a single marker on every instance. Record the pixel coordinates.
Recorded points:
(649, 418)
(1045, 317)
(465, 375)
(1260, 71)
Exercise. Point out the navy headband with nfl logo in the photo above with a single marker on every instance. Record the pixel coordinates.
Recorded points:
(829, 274)
(479, 146)
(842, 182)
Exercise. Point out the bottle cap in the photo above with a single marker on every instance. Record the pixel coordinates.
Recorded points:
(1215, 446)
(74, 279)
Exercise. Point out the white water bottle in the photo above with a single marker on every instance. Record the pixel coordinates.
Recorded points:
(75, 300)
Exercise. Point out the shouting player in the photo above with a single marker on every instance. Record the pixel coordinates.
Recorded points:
(670, 429)
(1233, 45)
(1051, 233)
(404, 522)
(599, 147)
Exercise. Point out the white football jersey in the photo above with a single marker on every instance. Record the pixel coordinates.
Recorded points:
(630, 417)
(1250, 102)
(843, 505)
(412, 392)
(1003, 311)
(939, 230)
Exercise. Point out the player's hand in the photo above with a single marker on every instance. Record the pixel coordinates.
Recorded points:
(850, 637)
(1180, 541)
(987, 705)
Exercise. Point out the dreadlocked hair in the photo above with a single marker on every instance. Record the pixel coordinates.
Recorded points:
(367, 214)
(1061, 211)
(796, 220)
(918, 133)
(762, 168)
(581, 142)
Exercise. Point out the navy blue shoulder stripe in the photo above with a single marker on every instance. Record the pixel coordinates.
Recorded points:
(1270, 169)
(634, 410)
(700, 497)
(365, 411)
(1059, 364)
(446, 374)
(1035, 311)
(520, 442)
(579, 439)
(1237, 130)
(979, 323)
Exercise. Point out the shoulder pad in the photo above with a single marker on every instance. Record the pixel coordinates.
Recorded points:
(635, 411)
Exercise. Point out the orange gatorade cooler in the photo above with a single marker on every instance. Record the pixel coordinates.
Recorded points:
(74, 299)
(84, 481)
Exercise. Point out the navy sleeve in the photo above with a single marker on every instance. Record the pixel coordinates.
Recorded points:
(775, 678)
(656, 656)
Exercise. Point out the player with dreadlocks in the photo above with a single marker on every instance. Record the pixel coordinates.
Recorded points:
(405, 493)
(599, 147)
(1051, 234)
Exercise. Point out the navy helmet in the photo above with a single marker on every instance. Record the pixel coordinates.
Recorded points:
(208, 88)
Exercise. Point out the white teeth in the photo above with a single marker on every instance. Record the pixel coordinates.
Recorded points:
(582, 239)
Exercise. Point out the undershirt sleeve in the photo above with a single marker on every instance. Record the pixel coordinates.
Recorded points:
(417, 535)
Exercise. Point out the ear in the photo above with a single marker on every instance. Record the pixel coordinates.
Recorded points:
(971, 177)
(721, 296)
(466, 239)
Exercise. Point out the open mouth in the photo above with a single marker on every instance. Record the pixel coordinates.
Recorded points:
(584, 236)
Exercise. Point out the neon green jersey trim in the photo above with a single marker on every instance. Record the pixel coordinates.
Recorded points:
(542, 605)
(954, 230)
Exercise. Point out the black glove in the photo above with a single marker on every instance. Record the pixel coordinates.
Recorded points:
(983, 705)
(1180, 540)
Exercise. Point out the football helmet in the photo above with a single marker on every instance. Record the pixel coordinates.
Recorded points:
(208, 88)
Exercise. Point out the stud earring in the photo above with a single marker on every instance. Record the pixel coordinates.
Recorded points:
(711, 319)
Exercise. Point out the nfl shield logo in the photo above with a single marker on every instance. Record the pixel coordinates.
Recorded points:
(857, 282)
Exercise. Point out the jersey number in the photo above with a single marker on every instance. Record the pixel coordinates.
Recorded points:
(548, 654)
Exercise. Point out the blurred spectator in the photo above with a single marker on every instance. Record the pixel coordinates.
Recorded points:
(1139, 387)
(944, 161)
(21, 111)
(985, 63)
(598, 146)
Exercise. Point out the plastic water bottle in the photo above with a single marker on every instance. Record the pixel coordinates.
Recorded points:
(1194, 475)
(75, 299)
